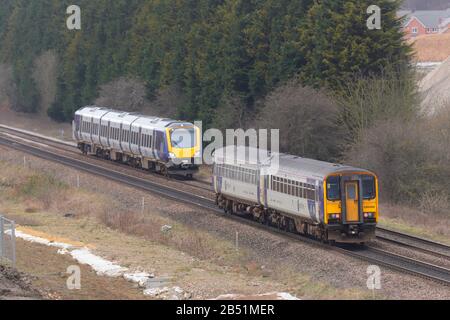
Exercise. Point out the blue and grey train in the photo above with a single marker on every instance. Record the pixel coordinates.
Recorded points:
(163, 145)
(332, 202)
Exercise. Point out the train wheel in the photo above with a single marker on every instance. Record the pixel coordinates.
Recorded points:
(229, 207)
(190, 176)
(164, 171)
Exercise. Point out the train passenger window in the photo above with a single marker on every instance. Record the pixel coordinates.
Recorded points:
(333, 188)
(368, 187)
(311, 194)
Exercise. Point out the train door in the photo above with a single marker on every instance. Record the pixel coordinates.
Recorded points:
(160, 143)
(352, 201)
(77, 127)
(263, 186)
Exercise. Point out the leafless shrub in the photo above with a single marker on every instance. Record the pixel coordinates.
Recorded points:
(438, 127)
(407, 157)
(230, 114)
(45, 77)
(307, 120)
(129, 94)
(7, 87)
(365, 101)
(167, 102)
(435, 202)
(124, 93)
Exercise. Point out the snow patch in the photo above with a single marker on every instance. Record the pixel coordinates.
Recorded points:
(33, 239)
(84, 256)
(271, 296)
(141, 278)
(286, 296)
(101, 266)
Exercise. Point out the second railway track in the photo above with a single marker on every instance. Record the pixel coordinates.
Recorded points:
(372, 255)
(434, 248)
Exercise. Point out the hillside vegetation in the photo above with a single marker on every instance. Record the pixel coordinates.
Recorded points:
(337, 90)
(206, 51)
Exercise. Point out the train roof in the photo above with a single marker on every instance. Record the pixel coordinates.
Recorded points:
(143, 120)
(288, 164)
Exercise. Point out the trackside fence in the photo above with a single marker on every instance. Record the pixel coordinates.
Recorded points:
(7, 241)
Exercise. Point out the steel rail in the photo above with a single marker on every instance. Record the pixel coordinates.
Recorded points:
(397, 262)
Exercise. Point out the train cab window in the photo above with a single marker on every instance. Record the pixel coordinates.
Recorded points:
(183, 138)
(333, 188)
(368, 187)
(351, 191)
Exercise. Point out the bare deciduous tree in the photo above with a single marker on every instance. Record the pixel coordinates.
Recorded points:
(45, 76)
(307, 120)
(411, 159)
(7, 88)
(367, 100)
(167, 102)
(124, 93)
(230, 114)
(129, 94)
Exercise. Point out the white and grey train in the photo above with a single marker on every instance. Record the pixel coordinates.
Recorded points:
(335, 203)
(164, 145)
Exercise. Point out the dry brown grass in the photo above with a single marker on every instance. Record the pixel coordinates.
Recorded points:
(421, 222)
(44, 192)
(434, 47)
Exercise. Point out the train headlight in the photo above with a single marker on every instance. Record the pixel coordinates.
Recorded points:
(334, 216)
(369, 215)
(172, 155)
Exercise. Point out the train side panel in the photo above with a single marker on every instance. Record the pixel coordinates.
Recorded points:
(240, 190)
(290, 204)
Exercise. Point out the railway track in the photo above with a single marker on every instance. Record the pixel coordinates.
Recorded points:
(71, 147)
(372, 255)
(434, 248)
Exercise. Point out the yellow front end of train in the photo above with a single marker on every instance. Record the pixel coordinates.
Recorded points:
(351, 210)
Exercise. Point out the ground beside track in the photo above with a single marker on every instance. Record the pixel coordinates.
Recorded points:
(16, 286)
(207, 266)
(402, 218)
